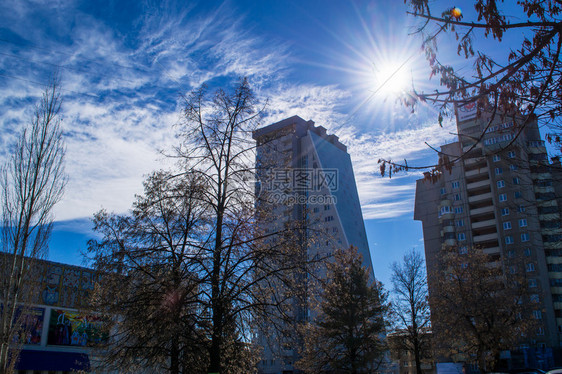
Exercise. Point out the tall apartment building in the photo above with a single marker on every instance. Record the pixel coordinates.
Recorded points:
(501, 196)
(308, 174)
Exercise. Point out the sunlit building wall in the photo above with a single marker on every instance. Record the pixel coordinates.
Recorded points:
(332, 209)
(501, 195)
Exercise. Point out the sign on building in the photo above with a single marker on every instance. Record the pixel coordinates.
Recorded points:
(467, 111)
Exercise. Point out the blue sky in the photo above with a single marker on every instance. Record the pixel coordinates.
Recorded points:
(124, 65)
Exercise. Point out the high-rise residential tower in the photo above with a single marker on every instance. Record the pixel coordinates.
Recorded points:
(308, 176)
(500, 196)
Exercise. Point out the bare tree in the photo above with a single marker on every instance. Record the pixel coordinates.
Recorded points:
(191, 257)
(411, 306)
(239, 263)
(478, 308)
(31, 182)
(149, 289)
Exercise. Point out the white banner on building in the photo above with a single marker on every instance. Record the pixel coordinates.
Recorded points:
(467, 111)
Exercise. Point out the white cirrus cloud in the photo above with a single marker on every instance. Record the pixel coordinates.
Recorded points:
(384, 197)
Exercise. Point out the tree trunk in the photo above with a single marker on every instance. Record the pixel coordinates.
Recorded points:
(481, 353)
(215, 356)
(216, 304)
(417, 350)
(174, 357)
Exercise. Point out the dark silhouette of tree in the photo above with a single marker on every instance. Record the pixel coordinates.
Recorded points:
(32, 182)
(149, 288)
(411, 307)
(347, 335)
(239, 264)
(478, 309)
(192, 249)
(523, 82)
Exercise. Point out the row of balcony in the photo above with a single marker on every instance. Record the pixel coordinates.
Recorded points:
(480, 199)
(478, 184)
(475, 172)
(485, 238)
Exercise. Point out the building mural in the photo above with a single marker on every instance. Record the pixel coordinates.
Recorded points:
(32, 326)
(75, 328)
(62, 285)
(60, 327)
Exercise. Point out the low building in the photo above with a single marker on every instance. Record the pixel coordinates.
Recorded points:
(60, 330)
(404, 357)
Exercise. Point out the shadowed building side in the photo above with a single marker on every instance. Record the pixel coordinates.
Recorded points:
(308, 176)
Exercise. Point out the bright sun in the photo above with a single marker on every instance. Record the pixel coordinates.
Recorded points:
(391, 78)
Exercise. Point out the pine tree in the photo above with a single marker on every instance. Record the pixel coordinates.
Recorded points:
(347, 336)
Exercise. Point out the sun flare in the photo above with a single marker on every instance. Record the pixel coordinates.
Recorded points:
(392, 78)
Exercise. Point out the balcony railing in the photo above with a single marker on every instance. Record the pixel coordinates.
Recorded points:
(482, 197)
(476, 172)
(485, 238)
(488, 223)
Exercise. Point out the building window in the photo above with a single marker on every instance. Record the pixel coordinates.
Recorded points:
(457, 197)
(496, 158)
(532, 282)
(460, 223)
(513, 167)
(498, 171)
(525, 237)
(516, 180)
(334, 229)
(316, 209)
(527, 252)
(540, 331)
(500, 184)
(445, 210)
(534, 298)
(509, 239)
(517, 194)
(463, 250)
(511, 154)
(511, 253)
(443, 191)
(521, 208)
(455, 185)
(530, 267)
(512, 270)
(503, 197)
(507, 225)
(522, 222)
(537, 314)
(328, 219)
(458, 209)
(326, 207)
(505, 211)
(461, 236)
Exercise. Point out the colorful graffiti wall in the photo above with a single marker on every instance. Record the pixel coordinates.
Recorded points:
(32, 326)
(76, 329)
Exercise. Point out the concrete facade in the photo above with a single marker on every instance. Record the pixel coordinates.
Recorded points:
(503, 195)
(309, 174)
